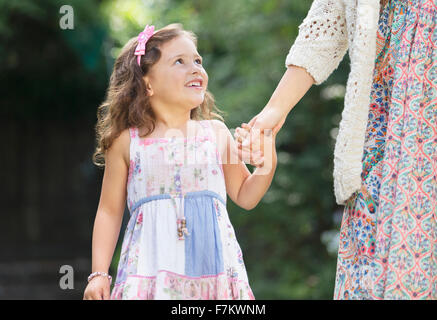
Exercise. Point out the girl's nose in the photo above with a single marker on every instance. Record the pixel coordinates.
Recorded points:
(196, 68)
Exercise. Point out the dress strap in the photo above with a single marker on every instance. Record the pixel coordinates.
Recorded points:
(209, 130)
(133, 133)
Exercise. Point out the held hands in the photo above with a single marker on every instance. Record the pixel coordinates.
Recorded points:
(97, 289)
(252, 153)
(251, 137)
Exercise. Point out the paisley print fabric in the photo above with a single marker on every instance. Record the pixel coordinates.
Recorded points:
(388, 236)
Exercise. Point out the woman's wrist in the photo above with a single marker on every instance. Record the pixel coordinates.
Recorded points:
(276, 108)
(293, 85)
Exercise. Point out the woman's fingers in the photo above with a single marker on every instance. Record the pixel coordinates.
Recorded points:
(252, 121)
(279, 126)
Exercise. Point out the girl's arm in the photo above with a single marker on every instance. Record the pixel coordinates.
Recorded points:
(244, 188)
(111, 206)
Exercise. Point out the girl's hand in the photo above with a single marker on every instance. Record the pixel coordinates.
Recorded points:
(254, 153)
(97, 289)
(252, 138)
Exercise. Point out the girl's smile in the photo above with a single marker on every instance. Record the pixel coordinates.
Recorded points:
(195, 84)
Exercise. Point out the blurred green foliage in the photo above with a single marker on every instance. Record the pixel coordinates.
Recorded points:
(288, 240)
(48, 72)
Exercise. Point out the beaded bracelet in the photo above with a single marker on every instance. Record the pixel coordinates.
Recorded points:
(95, 274)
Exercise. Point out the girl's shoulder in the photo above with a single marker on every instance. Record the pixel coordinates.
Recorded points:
(221, 131)
(121, 144)
(218, 125)
(222, 134)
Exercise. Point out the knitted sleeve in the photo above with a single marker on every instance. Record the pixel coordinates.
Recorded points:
(322, 40)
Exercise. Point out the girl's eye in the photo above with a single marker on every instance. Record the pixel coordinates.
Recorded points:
(179, 61)
(199, 61)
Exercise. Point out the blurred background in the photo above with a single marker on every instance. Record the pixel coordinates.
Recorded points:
(52, 80)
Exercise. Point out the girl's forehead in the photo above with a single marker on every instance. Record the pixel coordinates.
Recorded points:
(181, 45)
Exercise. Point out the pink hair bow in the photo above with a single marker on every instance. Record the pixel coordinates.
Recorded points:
(143, 37)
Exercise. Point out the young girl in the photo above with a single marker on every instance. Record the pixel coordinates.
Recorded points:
(175, 164)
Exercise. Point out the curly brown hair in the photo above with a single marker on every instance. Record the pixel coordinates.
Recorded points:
(127, 104)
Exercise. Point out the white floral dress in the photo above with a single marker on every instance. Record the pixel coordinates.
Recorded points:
(174, 181)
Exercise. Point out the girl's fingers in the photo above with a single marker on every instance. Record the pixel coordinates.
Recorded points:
(97, 297)
(256, 156)
(257, 159)
(106, 294)
(253, 158)
(256, 146)
(237, 132)
(253, 141)
(244, 156)
(246, 126)
(244, 132)
(240, 134)
(98, 294)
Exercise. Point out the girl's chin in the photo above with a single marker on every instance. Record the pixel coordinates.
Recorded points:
(197, 102)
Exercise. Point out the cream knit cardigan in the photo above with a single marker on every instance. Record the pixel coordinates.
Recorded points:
(330, 28)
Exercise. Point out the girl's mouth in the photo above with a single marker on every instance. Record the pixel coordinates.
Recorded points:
(195, 84)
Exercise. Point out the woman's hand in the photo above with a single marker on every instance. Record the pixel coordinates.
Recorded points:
(268, 119)
(97, 289)
(250, 137)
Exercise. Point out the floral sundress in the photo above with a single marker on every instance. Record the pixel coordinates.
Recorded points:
(388, 236)
(179, 242)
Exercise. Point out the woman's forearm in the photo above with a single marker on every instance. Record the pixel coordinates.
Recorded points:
(105, 235)
(295, 82)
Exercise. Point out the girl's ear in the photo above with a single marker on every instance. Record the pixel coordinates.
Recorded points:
(149, 89)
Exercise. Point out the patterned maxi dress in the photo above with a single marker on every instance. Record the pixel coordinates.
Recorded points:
(171, 180)
(388, 236)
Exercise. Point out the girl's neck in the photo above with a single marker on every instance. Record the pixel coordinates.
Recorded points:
(167, 124)
(171, 117)
(178, 129)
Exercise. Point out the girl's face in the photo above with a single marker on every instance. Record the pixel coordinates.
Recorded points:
(178, 78)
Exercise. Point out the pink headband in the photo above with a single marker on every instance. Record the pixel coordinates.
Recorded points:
(143, 37)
